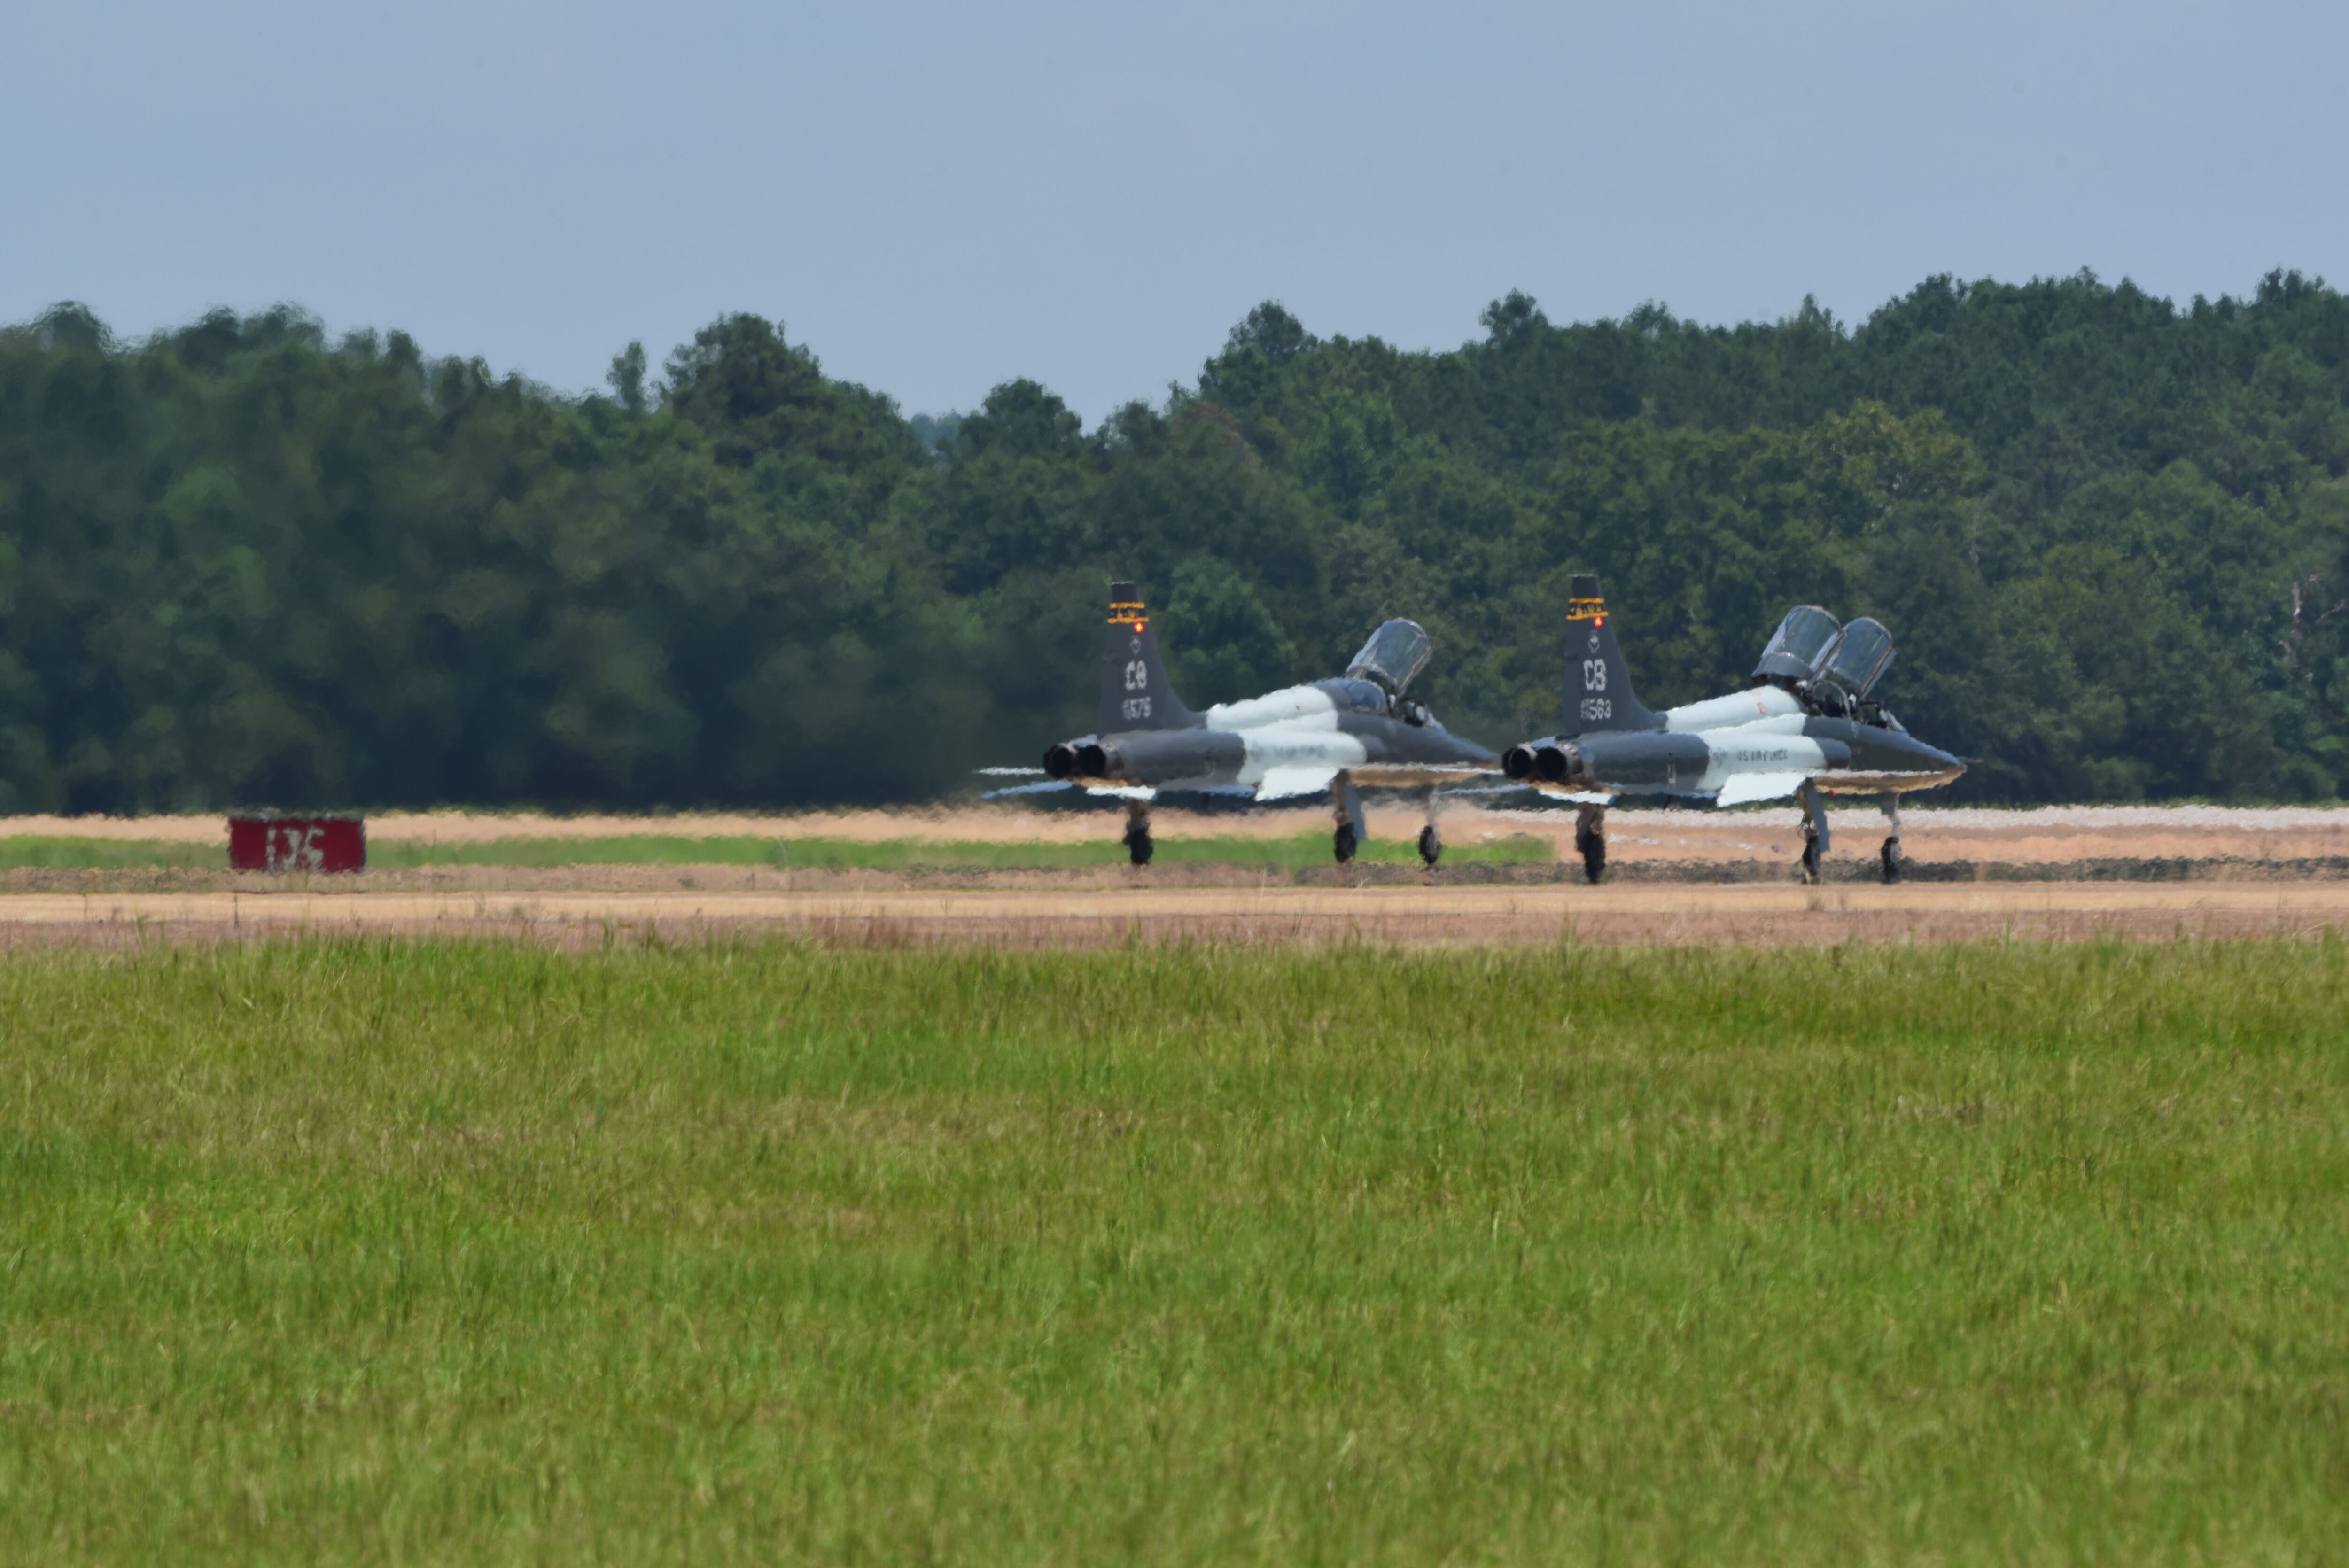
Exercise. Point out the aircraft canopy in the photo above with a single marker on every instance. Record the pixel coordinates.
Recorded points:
(1395, 654)
(1799, 647)
(1861, 655)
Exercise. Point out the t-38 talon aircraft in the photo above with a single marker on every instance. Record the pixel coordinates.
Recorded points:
(1805, 727)
(1358, 731)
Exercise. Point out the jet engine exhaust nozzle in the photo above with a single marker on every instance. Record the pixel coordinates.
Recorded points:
(1076, 759)
(1518, 762)
(1552, 763)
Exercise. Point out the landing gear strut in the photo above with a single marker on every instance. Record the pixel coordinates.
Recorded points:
(1431, 842)
(1350, 833)
(1815, 831)
(1890, 854)
(1590, 840)
(1137, 832)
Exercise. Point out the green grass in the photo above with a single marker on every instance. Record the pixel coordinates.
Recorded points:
(109, 854)
(1301, 851)
(479, 1252)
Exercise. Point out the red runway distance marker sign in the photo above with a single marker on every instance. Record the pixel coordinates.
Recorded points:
(296, 844)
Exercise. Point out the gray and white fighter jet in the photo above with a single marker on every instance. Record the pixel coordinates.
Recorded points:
(1359, 731)
(1804, 727)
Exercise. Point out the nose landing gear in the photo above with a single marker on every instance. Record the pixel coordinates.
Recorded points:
(1890, 854)
(1138, 846)
(1431, 842)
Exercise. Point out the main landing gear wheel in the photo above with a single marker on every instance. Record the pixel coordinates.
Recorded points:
(1810, 871)
(1890, 855)
(1431, 845)
(1590, 842)
(1351, 829)
(1593, 847)
(1138, 846)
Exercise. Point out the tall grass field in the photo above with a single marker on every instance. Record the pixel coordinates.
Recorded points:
(407, 1252)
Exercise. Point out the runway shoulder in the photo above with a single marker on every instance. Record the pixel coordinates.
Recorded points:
(1439, 916)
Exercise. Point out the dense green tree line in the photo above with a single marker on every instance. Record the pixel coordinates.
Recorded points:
(241, 564)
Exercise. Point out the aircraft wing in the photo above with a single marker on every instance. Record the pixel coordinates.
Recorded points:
(1057, 786)
(1049, 787)
(1286, 783)
(1577, 797)
(1745, 788)
(1419, 775)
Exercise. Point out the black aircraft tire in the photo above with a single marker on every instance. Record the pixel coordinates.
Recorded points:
(1139, 846)
(1810, 859)
(1343, 843)
(1891, 858)
(1431, 845)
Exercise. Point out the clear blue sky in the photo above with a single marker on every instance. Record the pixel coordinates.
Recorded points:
(939, 197)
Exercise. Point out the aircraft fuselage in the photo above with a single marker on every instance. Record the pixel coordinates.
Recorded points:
(1728, 712)
(1840, 756)
(1328, 725)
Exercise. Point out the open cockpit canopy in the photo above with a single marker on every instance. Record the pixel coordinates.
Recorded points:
(1798, 648)
(1393, 657)
(1861, 655)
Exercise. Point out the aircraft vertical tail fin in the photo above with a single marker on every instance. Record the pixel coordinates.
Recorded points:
(1599, 694)
(1135, 693)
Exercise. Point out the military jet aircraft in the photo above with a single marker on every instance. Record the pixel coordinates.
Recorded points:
(1360, 731)
(1804, 727)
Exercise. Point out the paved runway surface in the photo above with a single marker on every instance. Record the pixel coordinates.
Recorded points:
(1640, 913)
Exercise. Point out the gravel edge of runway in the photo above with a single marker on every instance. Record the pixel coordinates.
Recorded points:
(965, 821)
(1645, 917)
(1841, 872)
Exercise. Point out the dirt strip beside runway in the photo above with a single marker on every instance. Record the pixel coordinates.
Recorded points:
(1648, 914)
(1761, 842)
